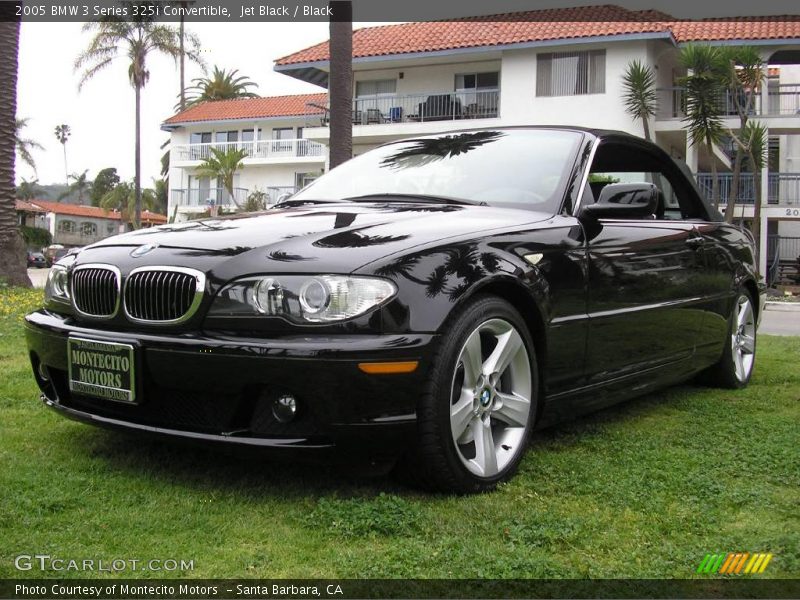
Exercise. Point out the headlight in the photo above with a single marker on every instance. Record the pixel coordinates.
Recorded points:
(57, 286)
(301, 298)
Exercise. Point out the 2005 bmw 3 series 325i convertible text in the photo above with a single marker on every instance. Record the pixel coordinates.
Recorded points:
(427, 304)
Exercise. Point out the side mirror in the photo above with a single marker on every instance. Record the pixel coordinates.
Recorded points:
(624, 201)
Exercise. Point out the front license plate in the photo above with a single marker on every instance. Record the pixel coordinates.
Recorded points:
(101, 369)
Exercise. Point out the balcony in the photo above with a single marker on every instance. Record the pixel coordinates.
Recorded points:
(784, 188)
(205, 197)
(276, 151)
(782, 101)
(420, 108)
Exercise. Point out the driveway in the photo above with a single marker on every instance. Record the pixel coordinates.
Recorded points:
(38, 277)
(781, 320)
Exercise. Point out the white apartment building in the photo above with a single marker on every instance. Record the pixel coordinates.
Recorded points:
(554, 67)
(278, 159)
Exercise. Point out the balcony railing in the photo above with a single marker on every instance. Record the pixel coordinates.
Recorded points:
(276, 149)
(429, 106)
(783, 188)
(275, 193)
(208, 196)
(783, 100)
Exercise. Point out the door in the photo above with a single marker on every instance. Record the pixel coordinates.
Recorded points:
(647, 277)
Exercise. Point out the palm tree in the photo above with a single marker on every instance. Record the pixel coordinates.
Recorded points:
(182, 43)
(124, 199)
(703, 87)
(136, 40)
(80, 185)
(28, 190)
(222, 85)
(63, 132)
(639, 83)
(25, 146)
(755, 140)
(340, 81)
(743, 78)
(223, 165)
(12, 247)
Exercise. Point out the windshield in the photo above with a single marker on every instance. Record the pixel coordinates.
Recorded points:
(518, 168)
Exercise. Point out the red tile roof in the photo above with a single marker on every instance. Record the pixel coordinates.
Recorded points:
(83, 210)
(23, 206)
(251, 108)
(546, 25)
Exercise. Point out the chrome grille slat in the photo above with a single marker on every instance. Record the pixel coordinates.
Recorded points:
(95, 290)
(162, 295)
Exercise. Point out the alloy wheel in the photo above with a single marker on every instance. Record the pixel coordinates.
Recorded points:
(743, 339)
(490, 403)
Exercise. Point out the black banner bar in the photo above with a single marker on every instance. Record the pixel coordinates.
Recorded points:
(301, 589)
(363, 10)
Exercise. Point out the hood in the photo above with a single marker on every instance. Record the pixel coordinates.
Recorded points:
(341, 236)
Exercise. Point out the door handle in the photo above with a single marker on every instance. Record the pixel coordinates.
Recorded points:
(695, 242)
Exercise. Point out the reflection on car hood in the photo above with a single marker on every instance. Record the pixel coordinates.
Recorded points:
(311, 232)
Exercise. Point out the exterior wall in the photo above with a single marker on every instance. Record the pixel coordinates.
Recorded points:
(519, 104)
(105, 228)
(428, 78)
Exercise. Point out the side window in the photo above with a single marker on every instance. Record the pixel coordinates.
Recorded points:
(618, 162)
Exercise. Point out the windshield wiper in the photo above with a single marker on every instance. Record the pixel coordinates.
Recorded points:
(413, 198)
(298, 202)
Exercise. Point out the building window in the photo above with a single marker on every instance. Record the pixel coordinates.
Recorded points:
(478, 93)
(571, 73)
(66, 226)
(111, 229)
(88, 229)
(374, 88)
(221, 137)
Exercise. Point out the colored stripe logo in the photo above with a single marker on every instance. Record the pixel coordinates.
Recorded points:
(735, 563)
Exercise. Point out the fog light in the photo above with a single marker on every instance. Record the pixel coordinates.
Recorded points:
(284, 408)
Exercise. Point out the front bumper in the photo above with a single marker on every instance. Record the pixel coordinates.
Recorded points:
(211, 387)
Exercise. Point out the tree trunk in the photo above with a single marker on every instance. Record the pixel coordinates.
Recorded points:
(66, 170)
(13, 263)
(737, 174)
(340, 82)
(714, 175)
(182, 61)
(755, 226)
(646, 125)
(137, 178)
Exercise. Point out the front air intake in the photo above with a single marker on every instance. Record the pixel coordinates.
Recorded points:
(163, 295)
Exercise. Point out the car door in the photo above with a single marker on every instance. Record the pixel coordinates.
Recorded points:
(645, 300)
(642, 311)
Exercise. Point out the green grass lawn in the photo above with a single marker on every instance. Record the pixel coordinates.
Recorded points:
(642, 490)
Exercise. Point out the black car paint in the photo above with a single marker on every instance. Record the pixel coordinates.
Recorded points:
(604, 302)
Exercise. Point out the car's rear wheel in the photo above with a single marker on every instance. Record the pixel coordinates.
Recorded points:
(475, 418)
(735, 367)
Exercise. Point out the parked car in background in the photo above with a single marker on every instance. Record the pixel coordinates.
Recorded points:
(54, 252)
(429, 304)
(36, 260)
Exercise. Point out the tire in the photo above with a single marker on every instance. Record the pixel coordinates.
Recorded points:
(473, 426)
(735, 367)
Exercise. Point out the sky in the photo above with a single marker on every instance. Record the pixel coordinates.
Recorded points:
(101, 115)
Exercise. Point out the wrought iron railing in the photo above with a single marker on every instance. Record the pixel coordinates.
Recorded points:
(428, 106)
(208, 196)
(783, 188)
(264, 149)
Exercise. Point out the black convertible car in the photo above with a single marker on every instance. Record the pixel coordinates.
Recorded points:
(428, 303)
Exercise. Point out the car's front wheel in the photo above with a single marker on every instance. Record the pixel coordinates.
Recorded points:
(475, 418)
